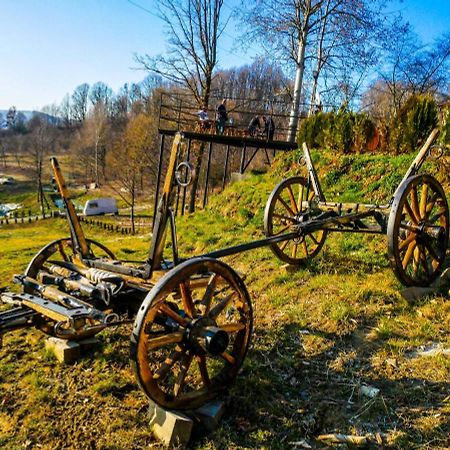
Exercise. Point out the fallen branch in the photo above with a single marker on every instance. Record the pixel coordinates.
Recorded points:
(370, 438)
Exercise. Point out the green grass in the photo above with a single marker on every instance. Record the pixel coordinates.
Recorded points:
(320, 331)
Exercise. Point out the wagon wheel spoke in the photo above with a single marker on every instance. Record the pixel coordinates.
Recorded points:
(415, 203)
(186, 296)
(440, 214)
(169, 362)
(313, 239)
(411, 213)
(201, 361)
(292, 199)
(416, 260)
(62, 252)
(305, 247)
(219, 307)
(228, 358)
(409, 253)
(283, 245)
(286, 206)
(430, 205)
(294, 249)
(166, 309)
(282, 230)
(232, 327)
(423, 200)
(405, 243)
(432, 252)
(161, 341)
(184, 368)
(423, 260)
(207, 297)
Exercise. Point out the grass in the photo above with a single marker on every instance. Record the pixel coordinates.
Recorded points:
(321, 331)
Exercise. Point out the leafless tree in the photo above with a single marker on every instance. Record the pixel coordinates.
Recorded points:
(80, 102)
(303, 30)
(40, 142)
(194, 28)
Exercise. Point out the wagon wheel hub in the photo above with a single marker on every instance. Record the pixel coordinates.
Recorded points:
(425, 231)
(204, 336)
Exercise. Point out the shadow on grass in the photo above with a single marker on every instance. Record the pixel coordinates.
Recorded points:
(283, 396)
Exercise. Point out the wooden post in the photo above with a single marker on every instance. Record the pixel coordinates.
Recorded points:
(183, 202)
(226, 167)
(205, 194)
(243, 153)
(158, 178)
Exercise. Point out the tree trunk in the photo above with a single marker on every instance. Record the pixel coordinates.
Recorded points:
(197, 167)
(133, 198)
(294, 115)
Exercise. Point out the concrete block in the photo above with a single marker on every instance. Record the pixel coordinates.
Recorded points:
(172, 428)
(68, 352)
(88, 344)
(414, 293)
(442, 280)
(209, 415)
(65, 351)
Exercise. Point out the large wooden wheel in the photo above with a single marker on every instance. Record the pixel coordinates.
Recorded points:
(418, 230)
(285, 209)
(191, 334)
(62, 250)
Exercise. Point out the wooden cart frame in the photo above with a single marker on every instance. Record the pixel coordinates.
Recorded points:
(193, 317)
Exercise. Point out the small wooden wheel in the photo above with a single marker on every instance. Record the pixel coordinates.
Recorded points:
(62, 250)
(418, 230)
(191, 334)
(285, 209)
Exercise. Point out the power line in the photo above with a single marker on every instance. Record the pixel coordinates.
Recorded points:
(137, 5)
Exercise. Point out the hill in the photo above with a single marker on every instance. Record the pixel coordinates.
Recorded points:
(321, 333)
(26, 116)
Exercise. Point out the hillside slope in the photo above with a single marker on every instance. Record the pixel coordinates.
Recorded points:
(321, 332)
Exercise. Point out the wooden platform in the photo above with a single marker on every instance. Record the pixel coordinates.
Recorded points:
(234, 141)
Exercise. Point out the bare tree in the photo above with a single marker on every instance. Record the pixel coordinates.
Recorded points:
(40, 141)
(194, 29)
(80, 102)
(301, 30)
(130, 156)
(409, 67)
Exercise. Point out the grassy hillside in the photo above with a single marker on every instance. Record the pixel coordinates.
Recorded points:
(321, 332)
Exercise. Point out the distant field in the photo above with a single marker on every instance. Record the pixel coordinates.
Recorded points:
(321, 332)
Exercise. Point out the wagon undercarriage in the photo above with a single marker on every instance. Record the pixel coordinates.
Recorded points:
(193, 317)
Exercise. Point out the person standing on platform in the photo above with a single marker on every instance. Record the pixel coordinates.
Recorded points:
(253, 126)
(269, 127)
(221, 116)
(203, 114)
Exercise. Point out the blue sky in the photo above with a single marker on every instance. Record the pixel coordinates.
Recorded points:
(48, 47)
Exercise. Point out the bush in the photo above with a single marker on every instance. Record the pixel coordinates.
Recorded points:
(343, 131)
(413, 123)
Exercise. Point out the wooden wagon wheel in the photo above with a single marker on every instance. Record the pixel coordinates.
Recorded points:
(284, 209)
(418, 230)
(62, 250)
(191, 334)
